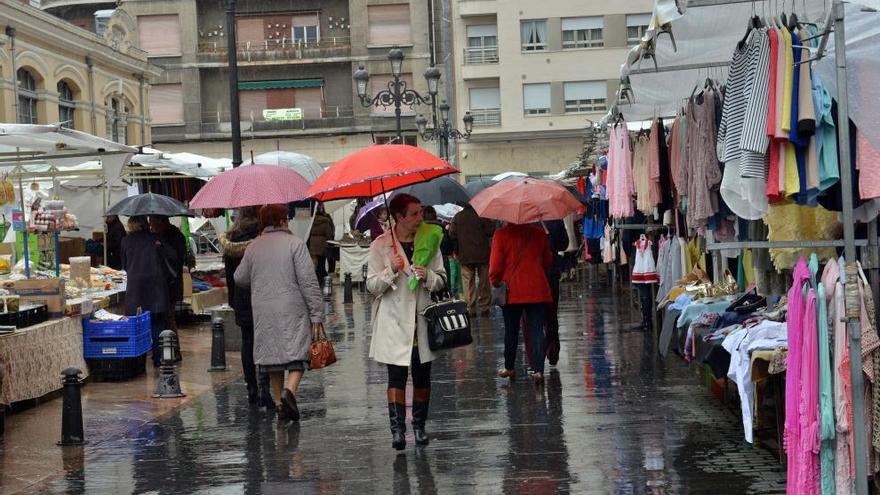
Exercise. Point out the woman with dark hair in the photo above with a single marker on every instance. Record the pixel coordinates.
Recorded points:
(400, 332)
(143, 256)
(287, 304)
(233, 242)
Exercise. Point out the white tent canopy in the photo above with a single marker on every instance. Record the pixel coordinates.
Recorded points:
(188, 164)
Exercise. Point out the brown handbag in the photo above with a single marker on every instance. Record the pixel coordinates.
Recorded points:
(321, 350)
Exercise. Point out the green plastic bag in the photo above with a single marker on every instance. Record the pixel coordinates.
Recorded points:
(426, 244)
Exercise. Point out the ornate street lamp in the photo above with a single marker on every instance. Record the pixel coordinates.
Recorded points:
(397, 93)
(444, 132)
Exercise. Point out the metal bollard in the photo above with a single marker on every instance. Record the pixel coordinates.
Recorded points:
(71, 409)
(168, 385)
(218, 346)
(347, 298)
(328, 287)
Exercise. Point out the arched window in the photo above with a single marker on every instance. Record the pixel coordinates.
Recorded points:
(66, 106)
(27, 97)
(116, 121)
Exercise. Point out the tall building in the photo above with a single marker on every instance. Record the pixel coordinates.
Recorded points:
(533, 73)
(58, 73)
(291, 55)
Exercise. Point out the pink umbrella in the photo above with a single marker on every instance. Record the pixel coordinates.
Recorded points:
(525, 200)
(251, 186)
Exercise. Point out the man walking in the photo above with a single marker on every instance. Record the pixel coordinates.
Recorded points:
(474, 238)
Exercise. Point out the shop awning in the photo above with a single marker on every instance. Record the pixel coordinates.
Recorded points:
(291, 83)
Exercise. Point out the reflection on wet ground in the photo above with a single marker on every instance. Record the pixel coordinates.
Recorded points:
(611, 419)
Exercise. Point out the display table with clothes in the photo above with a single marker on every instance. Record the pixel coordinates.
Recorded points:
(352, 259)
(34, 357)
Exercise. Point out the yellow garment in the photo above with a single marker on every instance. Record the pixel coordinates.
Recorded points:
(792, 222)
(748, 269)
(695, 255)
(674, 293)
(789, 82)
(792, 179)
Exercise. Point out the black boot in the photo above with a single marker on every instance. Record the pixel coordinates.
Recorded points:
(421, 398)
(265, 394)
(397, 417)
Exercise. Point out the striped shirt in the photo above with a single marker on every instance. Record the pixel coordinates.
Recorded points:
(742, 136)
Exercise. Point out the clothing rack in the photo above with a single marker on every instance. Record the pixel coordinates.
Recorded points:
(670, 68)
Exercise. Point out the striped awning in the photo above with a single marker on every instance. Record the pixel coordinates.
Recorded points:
(290, 83)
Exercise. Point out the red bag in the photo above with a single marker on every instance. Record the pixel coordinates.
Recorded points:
(321, 350)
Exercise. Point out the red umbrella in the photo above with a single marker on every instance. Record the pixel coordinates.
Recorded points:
(525, 200)
(251, 186)
(378, 169)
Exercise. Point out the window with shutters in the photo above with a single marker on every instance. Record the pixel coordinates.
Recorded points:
(66, 105)
(482, 44)
(27, 97)
(485, 106)
(582, 32)
(636, 26)
(250, 31)
(380, 82)
(536, 99)
(534, 35)
(159, 35)
(166, 104)
(388, 25)
(251, 103)
(306, 28)
(585, 96)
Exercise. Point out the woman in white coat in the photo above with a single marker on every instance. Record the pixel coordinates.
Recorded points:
(400, 332)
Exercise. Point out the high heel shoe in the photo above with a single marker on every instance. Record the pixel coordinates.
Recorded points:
(506, 373)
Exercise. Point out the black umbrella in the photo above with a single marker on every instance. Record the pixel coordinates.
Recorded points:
(439, 191)
(577, 194)
(150, 204)
(475, 186)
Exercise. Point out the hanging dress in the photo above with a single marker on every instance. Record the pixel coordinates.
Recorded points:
(620, 175)
(644, 269)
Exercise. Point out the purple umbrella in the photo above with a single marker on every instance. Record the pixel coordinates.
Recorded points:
(366, 209)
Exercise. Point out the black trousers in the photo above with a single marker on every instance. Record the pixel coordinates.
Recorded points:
(421, 373)
(646, 303)
(157, 325)
(321, 269)
(247, 358)
(513, 314)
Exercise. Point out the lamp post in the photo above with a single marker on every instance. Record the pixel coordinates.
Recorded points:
(397, 93)
(232, 56)
(444, 130)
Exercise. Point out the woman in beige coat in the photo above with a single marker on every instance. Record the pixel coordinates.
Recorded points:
(400, 332)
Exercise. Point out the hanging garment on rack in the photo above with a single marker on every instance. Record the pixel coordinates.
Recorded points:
(700, 172)
(843, 478)
(674, 145)
(826, 137)
(620, 175)
(826, 400)
(742, 136)
(808, 410)
(794, 321)
(868, 163)
(644, 269)
(654, 164)
(671, 268)
(642, 175)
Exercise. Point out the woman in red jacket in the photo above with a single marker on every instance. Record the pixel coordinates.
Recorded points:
(520, 254)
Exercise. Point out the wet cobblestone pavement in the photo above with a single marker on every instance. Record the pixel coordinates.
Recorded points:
(612, 419)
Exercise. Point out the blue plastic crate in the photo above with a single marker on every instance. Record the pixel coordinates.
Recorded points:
(117, 339)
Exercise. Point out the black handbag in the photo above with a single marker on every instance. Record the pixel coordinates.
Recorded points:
(448, 324)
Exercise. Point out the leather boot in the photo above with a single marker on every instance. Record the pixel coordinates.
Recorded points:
(421, 398)
(397, 417)
(265, 393)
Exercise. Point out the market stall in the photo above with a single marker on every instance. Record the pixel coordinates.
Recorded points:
(751, 180)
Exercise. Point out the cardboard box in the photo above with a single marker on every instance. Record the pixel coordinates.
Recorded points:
(70, 247)
(46, 291)
(187, 285)
(7, 248)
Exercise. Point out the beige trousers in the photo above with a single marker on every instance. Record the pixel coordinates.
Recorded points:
(475, 281)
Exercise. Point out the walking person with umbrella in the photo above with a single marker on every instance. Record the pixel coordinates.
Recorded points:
(520, 255)
(288, 307)
(400, 331)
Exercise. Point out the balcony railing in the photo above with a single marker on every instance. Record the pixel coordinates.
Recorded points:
(481, 55)
(280, 50)
(486, 117)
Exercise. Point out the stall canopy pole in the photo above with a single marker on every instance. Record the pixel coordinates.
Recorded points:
(852, 291)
